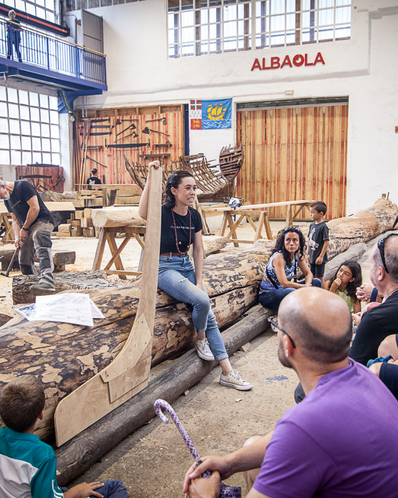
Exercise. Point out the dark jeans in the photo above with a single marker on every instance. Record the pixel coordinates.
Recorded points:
(16, 40)
(272, 298)
(111, 489)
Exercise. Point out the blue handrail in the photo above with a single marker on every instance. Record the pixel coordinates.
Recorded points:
(38, 49)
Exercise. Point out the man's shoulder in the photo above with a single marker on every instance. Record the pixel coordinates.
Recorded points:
(334, 393)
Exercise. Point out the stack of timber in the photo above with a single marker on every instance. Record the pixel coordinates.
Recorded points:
(93, 198)
(100, 196)
(64, 356)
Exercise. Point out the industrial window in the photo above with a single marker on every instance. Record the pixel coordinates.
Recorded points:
(91, 4)
(45, 9)
(200, 27)
(29, 128)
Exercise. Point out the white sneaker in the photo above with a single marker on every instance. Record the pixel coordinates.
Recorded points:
(233, 379)
(203, 349)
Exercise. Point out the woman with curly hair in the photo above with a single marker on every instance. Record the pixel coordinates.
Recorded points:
(280, 276)
(182, 226)
(345, 282)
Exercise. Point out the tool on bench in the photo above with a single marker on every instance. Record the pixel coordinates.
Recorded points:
(131, 127)
(167, 144)
(225, 491)
(157, 119)
(6, 274)
(147, 131)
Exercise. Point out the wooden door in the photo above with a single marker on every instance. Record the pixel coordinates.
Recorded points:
(294, 153)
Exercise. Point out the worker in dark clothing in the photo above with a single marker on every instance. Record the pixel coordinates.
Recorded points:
(32, 223)
(94, 180)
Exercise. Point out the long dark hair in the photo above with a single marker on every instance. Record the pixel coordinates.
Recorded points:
(280, 244)
(172, 182)
(355, 269)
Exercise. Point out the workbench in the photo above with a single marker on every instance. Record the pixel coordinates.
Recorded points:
(108, 234)
(294, 208)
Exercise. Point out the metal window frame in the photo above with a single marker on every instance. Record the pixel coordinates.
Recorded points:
(40, 156)
(294, 35)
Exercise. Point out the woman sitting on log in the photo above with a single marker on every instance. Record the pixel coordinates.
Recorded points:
(181, 227)
(280, 276)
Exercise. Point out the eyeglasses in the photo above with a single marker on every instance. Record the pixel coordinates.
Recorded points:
(380, 245)
(275, 327)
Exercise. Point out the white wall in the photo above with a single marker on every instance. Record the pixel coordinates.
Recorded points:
(363, 68)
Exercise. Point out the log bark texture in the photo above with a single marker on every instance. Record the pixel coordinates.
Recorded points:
(117, 217)
(361, 227)
(76, 456)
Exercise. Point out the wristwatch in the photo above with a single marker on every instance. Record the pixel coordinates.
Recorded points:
(27, 229)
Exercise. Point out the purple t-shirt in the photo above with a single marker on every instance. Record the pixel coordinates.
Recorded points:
(340, 442)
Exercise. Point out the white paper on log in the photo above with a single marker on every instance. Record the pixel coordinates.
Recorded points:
(77, 309)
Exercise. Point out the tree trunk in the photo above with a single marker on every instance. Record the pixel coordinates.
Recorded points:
(117, 217)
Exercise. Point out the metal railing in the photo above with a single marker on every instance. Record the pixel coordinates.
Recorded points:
(41, 50)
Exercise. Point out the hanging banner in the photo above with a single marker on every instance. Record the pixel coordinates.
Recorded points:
(210, 114)
(195, 114)
(216, 114)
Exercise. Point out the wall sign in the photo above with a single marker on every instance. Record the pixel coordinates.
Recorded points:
(296, 61)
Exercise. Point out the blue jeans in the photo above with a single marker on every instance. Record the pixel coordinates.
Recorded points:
(272, 298)
(177, 278)
(111, 489)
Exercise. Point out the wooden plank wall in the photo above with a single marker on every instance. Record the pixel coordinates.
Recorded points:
(113, 170)
(294, 153)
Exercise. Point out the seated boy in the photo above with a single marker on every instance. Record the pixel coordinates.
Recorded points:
(27, 465)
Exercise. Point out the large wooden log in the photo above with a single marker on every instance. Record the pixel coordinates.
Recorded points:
(361, 227)
(117, 217)
(76, 456)
(64, 356)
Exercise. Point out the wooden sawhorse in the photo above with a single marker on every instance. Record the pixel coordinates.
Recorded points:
(108, 234)
(294, 208)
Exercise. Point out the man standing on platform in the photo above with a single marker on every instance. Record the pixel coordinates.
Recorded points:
(13, 35)
(32, 223)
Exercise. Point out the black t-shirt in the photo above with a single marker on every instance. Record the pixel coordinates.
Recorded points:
(317, 234)
(376, 324)
(93, 180)
(17, 203)
(168, 234)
